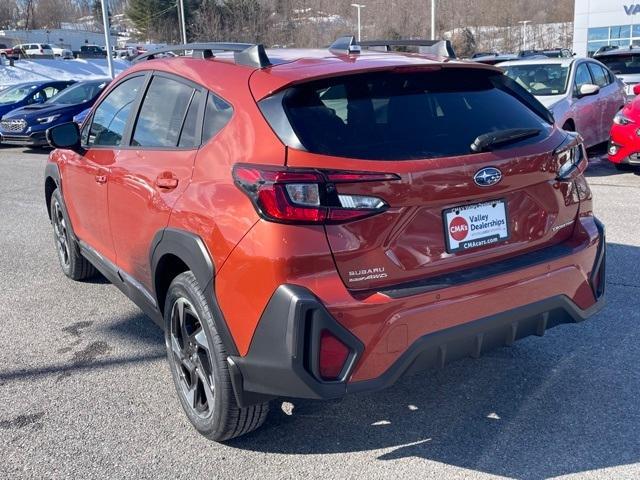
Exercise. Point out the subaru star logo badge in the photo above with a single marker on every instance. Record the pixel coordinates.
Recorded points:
(487, 177)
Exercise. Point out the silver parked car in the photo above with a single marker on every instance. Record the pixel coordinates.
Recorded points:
(624, 63)
(582, 93)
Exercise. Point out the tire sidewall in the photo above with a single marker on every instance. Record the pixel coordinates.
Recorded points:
(181, 287)
(57, 198)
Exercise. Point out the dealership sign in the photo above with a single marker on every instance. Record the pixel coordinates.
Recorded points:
(632, 9)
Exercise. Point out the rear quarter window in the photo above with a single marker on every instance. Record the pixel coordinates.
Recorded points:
(400, 116)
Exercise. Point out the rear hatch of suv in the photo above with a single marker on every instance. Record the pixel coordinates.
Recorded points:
(449, 206)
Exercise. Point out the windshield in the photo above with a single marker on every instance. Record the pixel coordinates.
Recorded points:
(540, 79)
(412, 115)
(79, 93)
(15, 94)
(622, 64)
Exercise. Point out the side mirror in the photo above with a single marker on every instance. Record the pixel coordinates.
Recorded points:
(65, 135)
(636, 89)
(588, 90)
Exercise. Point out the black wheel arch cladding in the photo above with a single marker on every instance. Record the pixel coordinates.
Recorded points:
(189, 249)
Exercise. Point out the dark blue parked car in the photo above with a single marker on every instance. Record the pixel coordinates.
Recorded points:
(79, 118)
(29, 93)
(27, 126)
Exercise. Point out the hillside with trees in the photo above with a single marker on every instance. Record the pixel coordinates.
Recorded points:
(305, 23)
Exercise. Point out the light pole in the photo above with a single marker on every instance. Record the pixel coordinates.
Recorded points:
(524, 33)
(107, 36)
(433, 19)
(359, 6)
(182, 21)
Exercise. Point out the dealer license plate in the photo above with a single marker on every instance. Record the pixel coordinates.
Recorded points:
(474, 226)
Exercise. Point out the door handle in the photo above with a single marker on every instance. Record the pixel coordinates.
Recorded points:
(167, 181)
(101, 179)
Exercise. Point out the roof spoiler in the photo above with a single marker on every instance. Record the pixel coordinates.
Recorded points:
(249, 54)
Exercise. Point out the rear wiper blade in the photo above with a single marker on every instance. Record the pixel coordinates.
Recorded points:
(484, 142)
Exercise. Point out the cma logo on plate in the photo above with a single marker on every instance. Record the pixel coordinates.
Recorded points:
(632, 9)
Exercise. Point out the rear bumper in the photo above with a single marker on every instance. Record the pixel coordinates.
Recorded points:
(282, 359)
(36, 139)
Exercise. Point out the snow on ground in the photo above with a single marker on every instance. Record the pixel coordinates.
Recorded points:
(79, 69)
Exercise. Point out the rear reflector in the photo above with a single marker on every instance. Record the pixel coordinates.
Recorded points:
(333, 355)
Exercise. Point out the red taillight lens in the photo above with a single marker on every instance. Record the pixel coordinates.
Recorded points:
(276, 205)
(307, 196)
(333, 356)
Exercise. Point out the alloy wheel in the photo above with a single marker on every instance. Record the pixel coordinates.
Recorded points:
(61, 234)
(191, 354)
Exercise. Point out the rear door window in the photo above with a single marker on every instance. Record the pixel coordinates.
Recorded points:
(407, 115)
(162, 113)
(189, 137)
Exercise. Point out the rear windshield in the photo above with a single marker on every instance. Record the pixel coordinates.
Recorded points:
(621, 64)
(401, 116)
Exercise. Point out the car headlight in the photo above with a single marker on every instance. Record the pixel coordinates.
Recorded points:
(49, 119)
(621, 119)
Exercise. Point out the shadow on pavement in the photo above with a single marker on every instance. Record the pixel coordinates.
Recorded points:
(562, 404)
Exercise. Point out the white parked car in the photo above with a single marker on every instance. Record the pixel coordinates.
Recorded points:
(63, 53)
(34, 49)
(581, 93)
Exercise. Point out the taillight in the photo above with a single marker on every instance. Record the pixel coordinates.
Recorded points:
(333, 356)
(308, 196)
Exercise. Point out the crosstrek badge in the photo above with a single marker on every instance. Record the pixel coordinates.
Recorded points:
(475, 226)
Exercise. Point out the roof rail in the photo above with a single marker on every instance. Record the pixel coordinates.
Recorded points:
(249, 54)
(442, 48)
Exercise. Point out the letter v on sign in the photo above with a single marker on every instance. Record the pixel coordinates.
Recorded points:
(632, 9)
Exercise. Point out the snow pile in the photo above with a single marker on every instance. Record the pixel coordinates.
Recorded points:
(79, 69)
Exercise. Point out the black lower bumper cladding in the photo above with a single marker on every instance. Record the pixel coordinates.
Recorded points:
(282, 359)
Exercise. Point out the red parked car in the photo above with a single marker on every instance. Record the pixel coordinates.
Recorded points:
(624, 145)
(312, 223)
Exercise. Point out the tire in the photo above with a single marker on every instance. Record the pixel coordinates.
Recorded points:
(198, 363)
(73, 264)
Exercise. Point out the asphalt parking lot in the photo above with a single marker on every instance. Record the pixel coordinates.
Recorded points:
(85, 391)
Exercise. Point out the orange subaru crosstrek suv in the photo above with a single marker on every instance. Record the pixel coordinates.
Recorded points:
(313, 223)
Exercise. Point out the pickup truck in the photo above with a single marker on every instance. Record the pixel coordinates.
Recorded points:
(7, 52)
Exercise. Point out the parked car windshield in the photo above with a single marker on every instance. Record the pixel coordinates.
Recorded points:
(15, 94)
(78, 93)
(408, 115)
(621, 64)
(540, 79)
